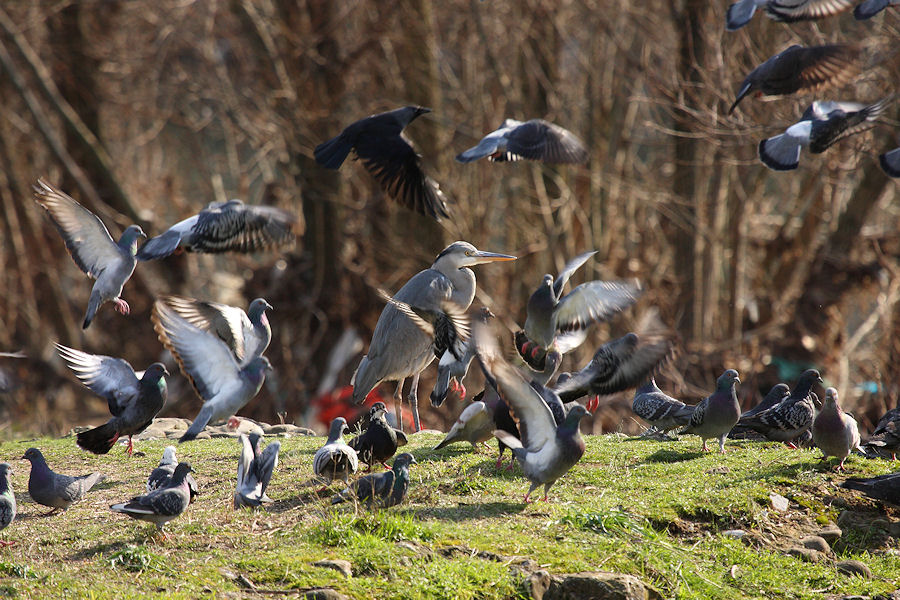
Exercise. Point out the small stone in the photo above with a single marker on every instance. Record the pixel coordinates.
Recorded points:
(323, 594)
(807, 554)
(779, 502)
(287, 429)
(831, 533)
(598, 584)
(342, 566)
(854, 567)
(416, 549)
(537, 584)
(814, 542)
(736, 534)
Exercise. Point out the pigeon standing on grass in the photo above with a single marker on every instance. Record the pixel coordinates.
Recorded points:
(474, 425)
(336, 459)
(92, 248)
(886, 436)
(161, 476)
(716, 414)
(387, 155)
(381, 490)
(835, 432)
(255, 468)
(536, 139)
(7, 501)
(379, 441)
(790, 418)
(52, 489)
(161, 505)
(662, 411)
(133, 402)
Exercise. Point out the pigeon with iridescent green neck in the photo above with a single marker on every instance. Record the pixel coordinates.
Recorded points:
(381, 490)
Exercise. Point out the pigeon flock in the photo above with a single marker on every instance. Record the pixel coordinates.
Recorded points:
(528, 407)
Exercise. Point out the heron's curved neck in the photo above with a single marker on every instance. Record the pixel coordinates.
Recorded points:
(463, 281)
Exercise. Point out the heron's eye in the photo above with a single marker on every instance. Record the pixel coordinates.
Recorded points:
(468, 253)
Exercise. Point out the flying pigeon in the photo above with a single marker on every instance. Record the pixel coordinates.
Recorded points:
(52, 489)
(381, 490)
(163, 504)
(883, 487)
(7, 501)
(230, 226)
(133, 402)
(886, 436)
(336, 459)
(247, 334)
(161, 476)
(535, 140)
(557, 323)
(779, 392)
(801, 69)
(474, 425)
(546, 451)
(659, 409)
(890, 163)
(716, 414)
(452, 370)
(388, 156)
(870, 8)
(379, 441)
(822, 125)
(620, 364)
(786, 11)
(209, 364)
(255, 468)
(835, 432)
(91, 247)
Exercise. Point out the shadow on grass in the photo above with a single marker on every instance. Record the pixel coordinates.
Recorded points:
(465, 512)
(672, 456)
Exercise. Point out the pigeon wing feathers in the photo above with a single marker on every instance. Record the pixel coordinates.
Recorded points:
(265, 464)
(570, 268)
(890, 163)
(235, 226)
(229, 323)
(594, 301)
(789, 11)
(108, 377)
(536, 422)
(540, 140)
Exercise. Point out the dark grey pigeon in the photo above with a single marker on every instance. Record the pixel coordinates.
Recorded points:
(779, 392)
(557, 323)
(381, 490)
(870, 8)
(247, 334)
(886, 436)
(92, 248)
(786, 11)
(52, 489)
(546, 451)
(7, 501)
(890, 163)
(835, 432)
(230, 226)
(224, 385)
(801, 69)
(536, 139)
(255, 467)
(133, 402)
(161, 505)
(716, 414)
(883, 487)
(659, 409)
(791, 417)
(379, 441)
(822, 125)
(336, 460)
(161, 476)
(388, 156)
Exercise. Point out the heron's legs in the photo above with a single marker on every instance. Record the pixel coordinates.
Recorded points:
(414, 401)
(398, 404)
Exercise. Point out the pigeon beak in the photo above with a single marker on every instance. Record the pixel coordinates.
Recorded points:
(737, 379)
(413, 461)
(269, 306)
(480, 257)
(166, 372)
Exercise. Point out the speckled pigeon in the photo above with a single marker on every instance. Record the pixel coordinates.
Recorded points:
(209, 364)
(7, 501)
(379, 441)
(716, 414)
(161, 476)
(546, 451)
(92, 248)
(133, 402)
(883, 487)
(788, 419)
(886, 436)
(381, 490)
(659, 409)
(870, 8)
(255, 467)
(474, 425)
(823, 124)
(52, 489)
(336, 460)
(536, 139)
(163, 504)
(890, 163)
(230, 226)
(801, 69)
(388, 157)
(556, 322)
(779, 392)
(786, 11)
(835, 432)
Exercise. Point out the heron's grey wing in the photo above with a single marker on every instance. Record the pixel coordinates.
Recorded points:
(421, 322)
(229, 323)
(594, 301)
(204, 359)
(86, 237)
(789, 11)
(108, 377)
(572, 266)
(540, 140)
(235, 226)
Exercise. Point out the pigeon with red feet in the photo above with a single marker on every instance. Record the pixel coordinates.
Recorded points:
(716, 414)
